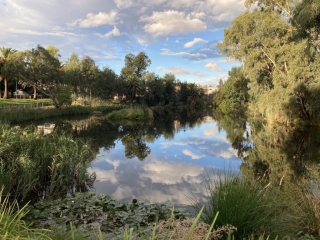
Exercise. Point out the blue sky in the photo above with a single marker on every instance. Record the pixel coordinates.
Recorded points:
(179, 36)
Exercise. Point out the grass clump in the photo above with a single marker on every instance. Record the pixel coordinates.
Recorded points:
(132, 113)
(239, 204)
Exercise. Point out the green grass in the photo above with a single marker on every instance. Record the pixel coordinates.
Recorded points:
(132, 113)
(239, 204)
(13, 101)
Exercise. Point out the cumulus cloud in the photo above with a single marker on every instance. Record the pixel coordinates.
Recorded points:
(214, 67)
(171, 22)
(95, 20)
(192, 155)
(177, 70)
(113, 33)
(193, 42)
(168, 52)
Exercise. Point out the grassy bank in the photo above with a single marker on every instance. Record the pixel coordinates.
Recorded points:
(132, 113)
(23, 115)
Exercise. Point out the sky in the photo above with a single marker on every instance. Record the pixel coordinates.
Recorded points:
(179, 36)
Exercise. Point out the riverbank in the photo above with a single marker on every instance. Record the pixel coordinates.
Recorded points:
(23, 115)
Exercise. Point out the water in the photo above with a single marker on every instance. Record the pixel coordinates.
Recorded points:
(173, 168)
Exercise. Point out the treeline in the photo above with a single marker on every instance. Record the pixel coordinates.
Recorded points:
(278, 43)
(42, 70)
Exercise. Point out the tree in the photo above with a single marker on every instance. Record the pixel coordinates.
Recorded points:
(278, 42)
(72, 69)
(89, 71)
(5, 54)
(234, 92)
(135, 65)
(41, 70)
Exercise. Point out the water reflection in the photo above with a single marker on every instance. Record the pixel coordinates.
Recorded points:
(176, 155)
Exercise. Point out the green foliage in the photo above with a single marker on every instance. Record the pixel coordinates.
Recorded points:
(87, 211)
(62, 96)
(135, 65)
(232, 95)
(278, 43)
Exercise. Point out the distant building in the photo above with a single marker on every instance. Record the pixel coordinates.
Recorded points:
(208, 90)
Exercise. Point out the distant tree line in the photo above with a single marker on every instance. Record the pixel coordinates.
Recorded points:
(42, 70)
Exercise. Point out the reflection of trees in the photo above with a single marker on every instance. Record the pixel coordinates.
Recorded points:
(99, 132)
(134, 143)
(282, 156)
(236, 130)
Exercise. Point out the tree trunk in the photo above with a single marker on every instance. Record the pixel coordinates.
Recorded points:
(5, 94)
(35, 92)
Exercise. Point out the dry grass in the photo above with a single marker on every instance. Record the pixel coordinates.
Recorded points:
(179, 229)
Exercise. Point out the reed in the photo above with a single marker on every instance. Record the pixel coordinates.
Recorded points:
(11, 224)
(132, 113)
(31, 162)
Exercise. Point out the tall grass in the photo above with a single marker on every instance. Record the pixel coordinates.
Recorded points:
(243, 206)
(46, 165)
(11, 224)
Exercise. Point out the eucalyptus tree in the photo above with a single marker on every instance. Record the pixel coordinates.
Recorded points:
(6, 64)
(89, 72)
(135, 65)
(72, 70)
(278, 43)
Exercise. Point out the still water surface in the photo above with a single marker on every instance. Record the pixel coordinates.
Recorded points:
(174, 169)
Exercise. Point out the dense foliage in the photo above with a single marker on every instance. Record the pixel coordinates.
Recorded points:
(278, 43)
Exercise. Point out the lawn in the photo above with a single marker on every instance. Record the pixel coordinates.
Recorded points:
(12, 101)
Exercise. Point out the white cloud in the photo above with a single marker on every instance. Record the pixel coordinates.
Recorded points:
(38, 33)
(124, 4)
(177, 70)
(114, 32)
(193, 42)
(214, 67)
(171, 22)
(167, 52)
(192, 155)
(199, 74)
(181, 71)
(95, 20)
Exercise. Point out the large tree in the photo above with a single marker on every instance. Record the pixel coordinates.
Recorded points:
(135, 65)
(89, 72)
(6, 64)
(278, 42)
